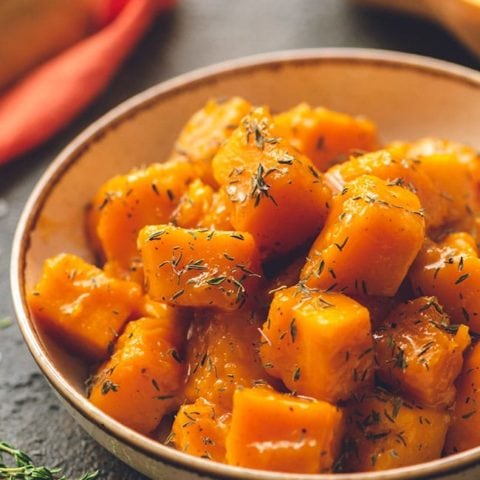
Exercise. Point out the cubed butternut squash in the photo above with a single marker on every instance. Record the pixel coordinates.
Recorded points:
(419, 354)
(142, 380)
(206, 130)
(217, 217)
(199, 268)
(383, 431)
(81, 306)
(396, 170)
(464, 431)
(318, 344)
(126, 203)
(283, 433)
(263, 175)
(325, 136)
(193, 206)
(438, 159)
(198, 430)
(372, 236)
(222, 354)
(450, 270)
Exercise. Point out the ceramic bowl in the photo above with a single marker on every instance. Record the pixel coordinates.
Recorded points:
(407, 96)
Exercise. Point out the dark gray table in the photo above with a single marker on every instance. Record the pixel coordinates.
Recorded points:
(197, 33)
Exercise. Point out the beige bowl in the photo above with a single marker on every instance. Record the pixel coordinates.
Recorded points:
(408, 96)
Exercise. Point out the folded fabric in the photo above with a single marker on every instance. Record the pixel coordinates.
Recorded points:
(48, 98)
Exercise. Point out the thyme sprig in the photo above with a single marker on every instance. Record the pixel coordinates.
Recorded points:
(23, 467)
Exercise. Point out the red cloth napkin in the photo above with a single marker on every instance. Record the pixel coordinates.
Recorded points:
(53, 94)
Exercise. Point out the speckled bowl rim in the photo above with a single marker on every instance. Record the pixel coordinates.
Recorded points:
(129, 108)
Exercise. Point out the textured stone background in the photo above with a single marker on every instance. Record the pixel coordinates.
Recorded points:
(197, 33)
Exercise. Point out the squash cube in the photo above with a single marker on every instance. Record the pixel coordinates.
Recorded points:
(193, 205)
(372, 236)
(396, 170)
(450, 271)
(325, 136)
(384, 431)
(319, 344)
(263, 175)
(217, 217)
(142, 380)
(81, 306)
(199, 268)
(438, 159)
(464, 431)
(274, 431)
(419, 354)
(222, 354)
(198, 430)
(206, 130)
(126, 203)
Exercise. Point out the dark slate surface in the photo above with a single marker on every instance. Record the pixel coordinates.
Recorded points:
(198, 33)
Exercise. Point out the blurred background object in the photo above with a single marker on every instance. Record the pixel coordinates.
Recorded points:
(461, 17)
(71, 67)
(31, 31)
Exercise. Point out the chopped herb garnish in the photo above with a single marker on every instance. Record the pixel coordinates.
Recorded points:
(462, 278)
(5, 322)
(109, 386)
(293, 330)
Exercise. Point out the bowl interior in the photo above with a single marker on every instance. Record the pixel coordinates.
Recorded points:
(408, 99)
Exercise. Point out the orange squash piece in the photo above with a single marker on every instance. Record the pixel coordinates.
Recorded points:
(126, 203)
(263, 175)
(283, 433)
(222, 354)
(199, 431)
(142, 380)
(199, 268)
(218, 216)
(206, 130)
(193, 206)
(419, 354)
(325, 136)
(438, 159)
(383, 431)
(396, 170)
(464, 432)
(319, 344)
(81, 306)
(450, 270)
(372, 236)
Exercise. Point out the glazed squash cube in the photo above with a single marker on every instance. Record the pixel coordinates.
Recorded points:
(206, 130)
(383, 431)
(193, 206)
(319, 344)
(222, 354)
(396, 170)
(126, 203)
(81, 306)
(199, 268)
(217, 217)
(464, 431)
(142, 380)
(372, 236)
(199, 431)
(419, 354)
(450, 270)
(283, 433)
(325, 136)
(438, 159)
(275, 193)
